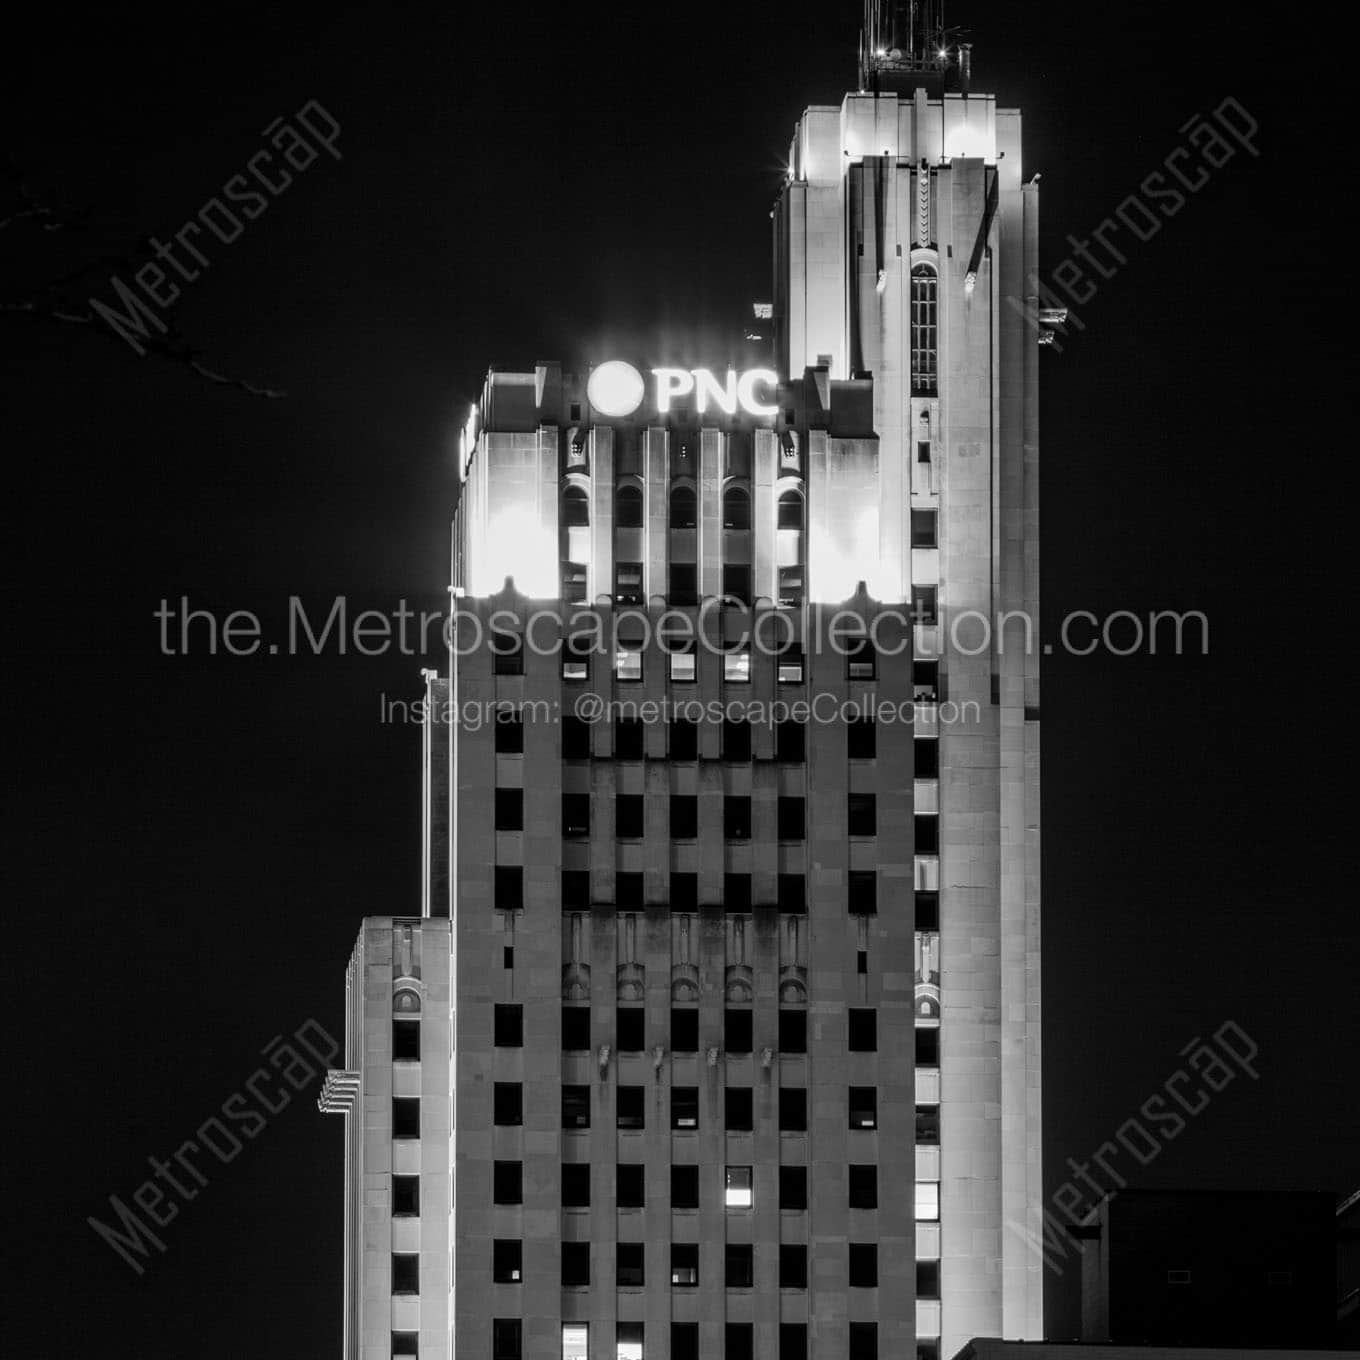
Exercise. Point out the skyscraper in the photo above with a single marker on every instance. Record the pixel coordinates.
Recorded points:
(718, 1032)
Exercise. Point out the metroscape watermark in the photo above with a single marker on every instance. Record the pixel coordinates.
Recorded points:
(177, 1180)
(157, 284)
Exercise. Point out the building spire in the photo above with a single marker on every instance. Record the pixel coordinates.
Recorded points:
(904, 44)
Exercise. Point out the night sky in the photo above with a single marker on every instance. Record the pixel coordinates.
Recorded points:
(193, 840)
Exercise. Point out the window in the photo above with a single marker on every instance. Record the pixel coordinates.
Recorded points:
(863, 1341)
(575, 1185)
(928, 1125)
(628, 508)
(629, 1344)
(925, 604)
(737, 891)
(736, 742)
(628, 660)
(628, 890)
(927, 1279)
(405, 1116)
(684, 584)
(508, 1026)
(575, 582)
(683, 665)
(792, 819)
(792, 893)
(575, 1265)
(789, 666)
(405, 1040)
(684, 508)
(789, 511)
(684, 816)
(862, 814)
(684, 1030)
(793, 1341)
(791, 584)
(792, 1266)
(792, 1109)
(925, 681)
(863, 1265)
(576, 659)
(927, 1048)
(863, 1030)
(507, 653)
(861, 957)
(629, 1265)
(684, 1341)
(863, 1187)
(507, 1339)
(405, 1196)
(861, 739)
(923, 450)
(405, 1272)
(736, 508)
(684, 1265)
(405, 1343)
(793, 1187)
(509, 728)
(632, 1109)
(684, 1187)
(790, 743)
(739, 1191)
(737, 818)
(628, 816)
(737, 666)
(740, 1265)
(575, 1107)
(506, 1261)
(684, 892)
(576, 814)
(923, 529)
(926, 829)
(508, 1103)
(575, 508)
(631, 1025)
(628, 739)
(575, 1028)
(860, 660)
(924, 335)
(792, 1031)
(575, 1341)
(737, 1029)
(684, 740)
(863, 1107)
(736, 582)
(509, 809)
(927, 1201)
(927, 757)
(575, 738)
(738, 1109)
(927, 911)
(507, 1183)
(863, 895)
(509, 887)
(738, 1341)
(628, 584)
(685, 1107)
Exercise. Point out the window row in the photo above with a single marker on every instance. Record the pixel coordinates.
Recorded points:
(682, 508)
(630, 1029)
(507, 1341)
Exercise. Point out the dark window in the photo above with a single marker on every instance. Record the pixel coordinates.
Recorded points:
(923, 529)
(740, 1265)
(628, 889)
(507, 1183)
(508, 1026)
(792, 1109)
(793, 1187)
(738, 1341)
(861, 960)
(509, 887)
(628, 583)
(405, 1343)
(927, 758)
(928, 1125)
(924, 359)
(927, 832)
(684, 1107)
(628, 816)
(507, 1339)
(736, 741)
(405, 1272)
(792, 1031)
(860, 659)
(925, 604)
(684, 744)
(575, 579)
(576, 1107)
(737, 890)
(925, 681)
(736, 508)
(575, 1028)
(684, 584)
(628, 739)
(576, 658)
(575, 738)
(862, 814)
(792, 890)
(789, 511)
(793, 1341)
(405, 1040)
(575, 1185)
(684, 508)
(923, 450)
(684, 1264)
(792, 1267)
(863, 1265)
(684, 1187)
(863, 1107)
(737, 1026)
(684, 1341)
(628, 508)
(632, 1029)
(632, 1109)
(509, 729)
(575, 508)
(736, 582)
(863, 895)
(507, 1261)
(684, 816)
(508, 1103)
(576, 814)
(575, 1265)
(863, 1030)
(630, 1259)
(508, 653)
(792, 819)
(737, 817)
(684, 1030)
(738, 1109)
(789, 666)
(405, 1116)
(864, 1187)
(790, 742)
(405, 1196)
(863, 1341)
(927, 911)
(927, 1048)
(684, 892)
(927, 1279)
(861, 738)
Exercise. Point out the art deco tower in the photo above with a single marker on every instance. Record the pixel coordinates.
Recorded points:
(718, 1031)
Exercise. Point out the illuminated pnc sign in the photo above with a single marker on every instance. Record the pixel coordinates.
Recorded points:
(617, 389)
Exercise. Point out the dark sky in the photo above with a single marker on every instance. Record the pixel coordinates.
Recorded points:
(194, 840)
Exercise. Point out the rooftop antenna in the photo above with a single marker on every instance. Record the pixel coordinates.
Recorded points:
(904, 44)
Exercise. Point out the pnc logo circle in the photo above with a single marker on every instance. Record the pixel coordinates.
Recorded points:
(615, 388)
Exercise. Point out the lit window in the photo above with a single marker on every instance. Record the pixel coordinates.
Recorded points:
(927, 1201)
(739, 1192)
(629, 1345)
(924, 330)
(737, 666)
(576, 659)
(575, 1341)
(684, 1264)
(628, 583)
(790, 586)
(682, 662)
(628, 662)
(790, 667)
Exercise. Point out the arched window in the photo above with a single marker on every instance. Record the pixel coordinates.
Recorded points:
(924, 331)
(790, 511)
(736, 508)
(684, 508)
(406, 1002)
(575, 508)
(628, 508)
